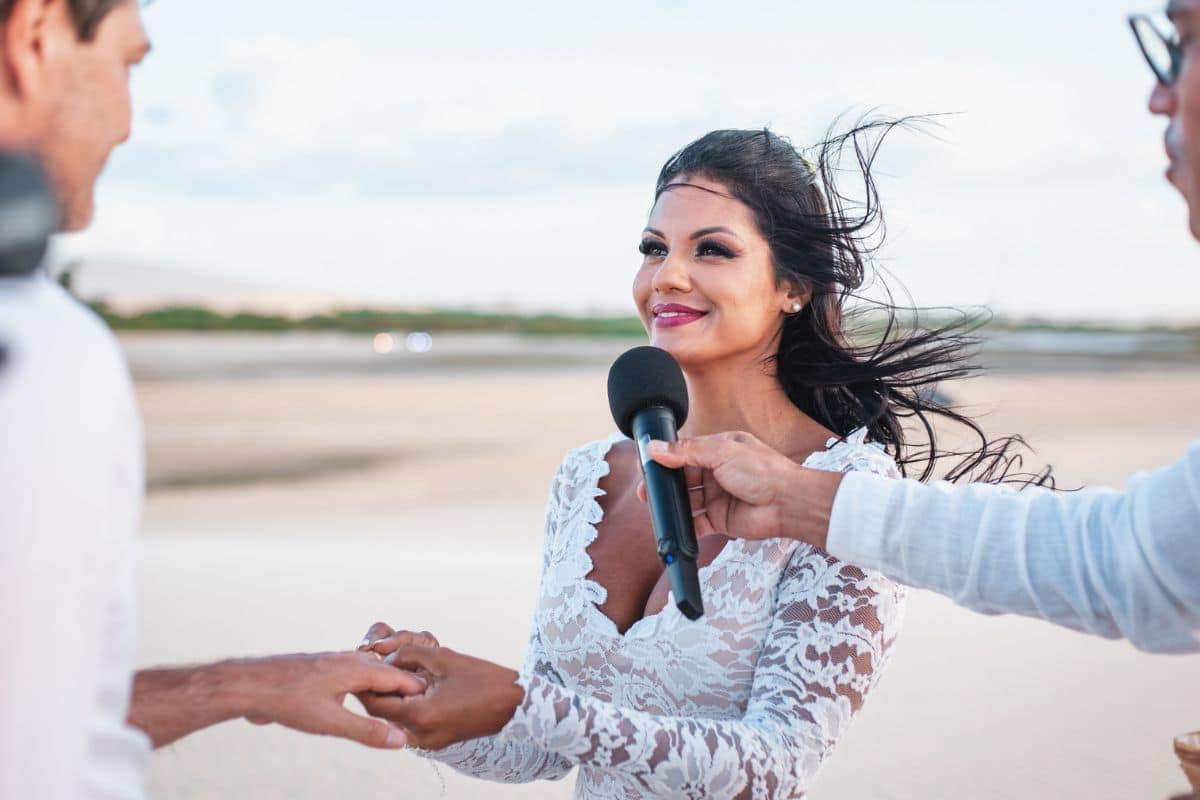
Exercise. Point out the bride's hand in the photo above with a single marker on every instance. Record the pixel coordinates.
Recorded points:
(382, 639)
(466, 697)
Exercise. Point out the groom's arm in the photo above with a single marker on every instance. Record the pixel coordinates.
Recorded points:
(304, 692)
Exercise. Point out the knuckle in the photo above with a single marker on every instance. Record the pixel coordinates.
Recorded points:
(380, 630)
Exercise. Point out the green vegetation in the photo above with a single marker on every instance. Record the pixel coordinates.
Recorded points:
(183, 318)
(187, 318)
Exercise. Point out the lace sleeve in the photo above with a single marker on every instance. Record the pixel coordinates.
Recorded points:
(508, 760)
(832, 630)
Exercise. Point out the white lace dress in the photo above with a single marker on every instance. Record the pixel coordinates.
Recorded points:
(745, 702)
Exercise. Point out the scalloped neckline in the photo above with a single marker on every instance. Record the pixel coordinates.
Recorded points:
(600, 471)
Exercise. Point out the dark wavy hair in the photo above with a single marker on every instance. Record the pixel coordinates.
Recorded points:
(865, 367)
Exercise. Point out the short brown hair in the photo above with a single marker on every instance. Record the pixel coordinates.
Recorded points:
(87, 14)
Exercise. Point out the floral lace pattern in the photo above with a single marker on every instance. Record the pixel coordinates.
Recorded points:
(745, 702)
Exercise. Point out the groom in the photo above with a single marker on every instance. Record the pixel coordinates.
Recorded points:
(71, 478)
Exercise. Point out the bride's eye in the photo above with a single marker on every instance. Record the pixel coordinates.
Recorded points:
(713, 249)
(649, 247)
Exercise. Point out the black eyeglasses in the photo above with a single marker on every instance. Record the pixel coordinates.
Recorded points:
(1162, 50)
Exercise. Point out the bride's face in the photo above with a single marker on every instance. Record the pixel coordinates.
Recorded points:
(706, 291)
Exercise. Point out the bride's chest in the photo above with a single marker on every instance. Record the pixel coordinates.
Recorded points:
(626, 563)
(662, 662)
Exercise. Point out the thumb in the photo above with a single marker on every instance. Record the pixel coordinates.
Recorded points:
(366, 731)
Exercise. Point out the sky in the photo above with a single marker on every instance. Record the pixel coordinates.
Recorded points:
(482, 154)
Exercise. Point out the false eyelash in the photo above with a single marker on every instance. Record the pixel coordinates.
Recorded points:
(718, 249)
(648, 247)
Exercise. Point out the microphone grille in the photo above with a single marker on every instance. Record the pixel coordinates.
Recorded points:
(643, 377)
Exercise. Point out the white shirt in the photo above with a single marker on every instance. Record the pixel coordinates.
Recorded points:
(71, 484)
(1105, 562)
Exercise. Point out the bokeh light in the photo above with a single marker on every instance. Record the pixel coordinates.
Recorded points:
(419, 342)
(383, 343)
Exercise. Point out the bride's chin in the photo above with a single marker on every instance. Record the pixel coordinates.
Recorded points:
(688, 354)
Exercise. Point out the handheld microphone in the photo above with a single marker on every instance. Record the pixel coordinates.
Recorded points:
(648, 398)
(28, 215)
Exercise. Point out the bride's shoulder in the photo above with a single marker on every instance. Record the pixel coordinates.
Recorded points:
(598, 449)
(853, 453)
(590, 462)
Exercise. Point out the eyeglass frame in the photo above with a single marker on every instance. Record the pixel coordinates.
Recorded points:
(1173, 49)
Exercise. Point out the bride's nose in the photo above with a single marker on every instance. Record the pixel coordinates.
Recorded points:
(672, 275)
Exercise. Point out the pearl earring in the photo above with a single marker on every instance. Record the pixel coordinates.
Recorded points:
(796, 308)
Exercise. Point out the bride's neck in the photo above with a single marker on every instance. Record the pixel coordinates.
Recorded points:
(748, 397)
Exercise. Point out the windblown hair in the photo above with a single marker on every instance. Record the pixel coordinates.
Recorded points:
(863, 367)
(86, 14)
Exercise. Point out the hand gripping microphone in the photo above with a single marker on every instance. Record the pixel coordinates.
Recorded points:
(648, 398)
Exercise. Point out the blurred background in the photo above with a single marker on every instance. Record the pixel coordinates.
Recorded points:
(371, 260)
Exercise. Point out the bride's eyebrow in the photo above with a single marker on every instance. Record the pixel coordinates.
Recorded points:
(655, 232)
(714, 229)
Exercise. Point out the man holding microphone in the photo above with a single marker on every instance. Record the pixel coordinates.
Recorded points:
(1115, 564)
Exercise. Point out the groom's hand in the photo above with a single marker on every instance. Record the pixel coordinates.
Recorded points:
(307, 693)
(303, 691)
(742, 488)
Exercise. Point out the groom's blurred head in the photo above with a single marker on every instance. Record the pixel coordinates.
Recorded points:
(64, 88)
(1171, 51)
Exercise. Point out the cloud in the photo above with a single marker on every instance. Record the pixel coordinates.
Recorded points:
(436, 153)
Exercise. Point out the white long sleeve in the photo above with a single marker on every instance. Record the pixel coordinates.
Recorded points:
(1116, 564)
(827, 644)
(70, 497)
(509, 760)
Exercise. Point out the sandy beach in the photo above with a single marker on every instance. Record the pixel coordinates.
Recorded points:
(292, 506)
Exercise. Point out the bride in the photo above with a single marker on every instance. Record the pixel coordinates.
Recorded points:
(747, 259)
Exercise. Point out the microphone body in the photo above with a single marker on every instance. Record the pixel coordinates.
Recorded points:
(648, 397)
(28, 215)
(670, 510)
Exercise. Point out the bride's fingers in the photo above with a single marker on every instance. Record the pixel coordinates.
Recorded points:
(399, 639)
(380, 630)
